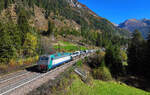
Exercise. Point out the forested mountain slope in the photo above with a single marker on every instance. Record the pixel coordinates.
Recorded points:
(60, 9)
(26, 20)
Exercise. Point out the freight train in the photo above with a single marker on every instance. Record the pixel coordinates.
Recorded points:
(47, 62)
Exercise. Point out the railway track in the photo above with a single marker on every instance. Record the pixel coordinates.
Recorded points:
(12, 82)
(12, 76)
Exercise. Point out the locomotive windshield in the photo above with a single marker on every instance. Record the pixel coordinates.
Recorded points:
(44, 58)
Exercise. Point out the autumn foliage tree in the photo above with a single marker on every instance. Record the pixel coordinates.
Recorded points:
(30, 44)
(17, 41)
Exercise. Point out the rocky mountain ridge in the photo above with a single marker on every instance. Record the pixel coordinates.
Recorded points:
(143, 25)
(75, 3)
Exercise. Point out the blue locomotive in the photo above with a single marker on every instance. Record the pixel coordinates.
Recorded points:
(48, 62)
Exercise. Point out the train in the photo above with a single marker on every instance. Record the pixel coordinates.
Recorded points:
(47, 62)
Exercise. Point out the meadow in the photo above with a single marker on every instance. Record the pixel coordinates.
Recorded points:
(68, 47)
(99, 87)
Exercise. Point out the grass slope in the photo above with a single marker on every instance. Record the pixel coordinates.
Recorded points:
(102, 88)
(68, 47)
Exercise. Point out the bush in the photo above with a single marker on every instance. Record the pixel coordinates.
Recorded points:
(96, 60)
(12, 63)
(102, 73)
(3, 68)
(36, 58)
(124, 55)
(79, 63)
(20, 62)
(102, 54)
(113, 60)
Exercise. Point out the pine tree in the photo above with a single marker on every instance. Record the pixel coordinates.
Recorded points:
(147, 57)
(148, 39)
(50, 28)
(2, 5)
(135, 52)
(113, 60)
(7, 3)
(31, 3)
(23, 23)
(9, 42)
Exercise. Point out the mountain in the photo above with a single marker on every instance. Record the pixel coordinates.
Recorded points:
(143, 25)
(71, 11)
(26, 24)
(63, 18)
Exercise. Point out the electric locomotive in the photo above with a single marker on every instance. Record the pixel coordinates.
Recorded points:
(47, 62)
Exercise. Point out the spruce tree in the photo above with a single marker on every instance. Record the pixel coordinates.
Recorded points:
(50, 28)
(147, 61)
(135, 52)
(9, 42)
(2, 5)
(23, 23)
(113, 60)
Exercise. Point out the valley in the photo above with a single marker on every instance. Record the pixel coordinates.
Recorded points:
(65, 47)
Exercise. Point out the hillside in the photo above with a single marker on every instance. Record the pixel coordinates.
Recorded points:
(143, 25)
(101, 88)
(72, 83)
(34, 24)
(27, 21)
(64, 13)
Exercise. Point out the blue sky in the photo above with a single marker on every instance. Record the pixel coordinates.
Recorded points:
(118, 11)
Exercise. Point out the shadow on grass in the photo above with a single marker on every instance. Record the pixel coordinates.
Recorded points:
(137, 82)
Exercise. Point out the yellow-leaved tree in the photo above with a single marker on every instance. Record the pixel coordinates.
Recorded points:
(123, 55)
(30, 44)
